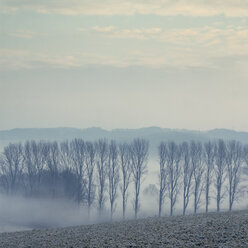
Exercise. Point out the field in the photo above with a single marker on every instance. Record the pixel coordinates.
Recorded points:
(226, 229)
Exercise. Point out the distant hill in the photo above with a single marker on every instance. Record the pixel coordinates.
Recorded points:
(153, 134)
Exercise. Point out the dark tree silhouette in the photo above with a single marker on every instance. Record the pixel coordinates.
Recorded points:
(90, 166)
(234, 162)
(102, 160)
(220, 171)
(209, 156)
(52, 162)
(174, 173)
(139, 157)
(78, 165)
(125, 163)
(187, 175)
(162, 151)
(113, 175)
(198, 170)
(13, 165)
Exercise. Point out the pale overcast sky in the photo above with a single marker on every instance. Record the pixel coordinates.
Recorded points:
(124, 64)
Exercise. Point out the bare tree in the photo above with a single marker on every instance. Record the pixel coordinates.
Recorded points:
(245, 158)
(139, 157)
(51, 153)
(90, 165)
(162, 151)
(39, 159)
(174, 173)
(30, 165)
(233, 161)
(33, 163)
(209, 156)
(187, 175)
(102, 157)
(13, 163)
(125, 163)
(198, 170)
(219, 171)
(66, 154)
(70, 180)
(78, 158)
(113, 175)
(4, 182)
(45, 157)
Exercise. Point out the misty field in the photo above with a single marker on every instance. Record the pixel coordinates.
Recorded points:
(226, 229)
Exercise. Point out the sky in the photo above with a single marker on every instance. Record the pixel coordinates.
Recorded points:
(124, 64)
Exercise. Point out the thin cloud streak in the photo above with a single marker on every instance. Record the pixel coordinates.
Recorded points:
(201, 36)
(231, 8)
(22, 59)
(23, 34)
(113, 32)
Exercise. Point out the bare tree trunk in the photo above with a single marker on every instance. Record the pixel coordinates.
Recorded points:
(78, 157)
(162, 150)
(245, 158)
(198, 170)
(174, 172)
(219, 171)
(233, 161)
(139, 157)
(171, 204)
(113, 175)
(209, 156)
(187, 175)
(160, 203)
(90, 165)
(125, 161)
(207, 193)
(102, 156)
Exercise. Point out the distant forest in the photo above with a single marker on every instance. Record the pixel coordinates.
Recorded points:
(92, 173)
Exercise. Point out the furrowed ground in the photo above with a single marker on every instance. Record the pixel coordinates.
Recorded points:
(226, 229)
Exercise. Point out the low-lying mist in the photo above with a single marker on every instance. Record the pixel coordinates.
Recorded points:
(19, 213)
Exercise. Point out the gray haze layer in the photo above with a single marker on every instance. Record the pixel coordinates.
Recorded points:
(153, 134)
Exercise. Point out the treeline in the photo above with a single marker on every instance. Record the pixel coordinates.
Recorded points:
(194, 168)
(86, 172)
(92, 173)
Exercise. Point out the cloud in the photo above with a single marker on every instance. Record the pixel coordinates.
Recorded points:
(108, 29)
(137, 33)
(132, 58)
(24, 34)
(22, 59)
(180, 48)
(190, 47)
(233, 39)
(114, 32)
(234, 8)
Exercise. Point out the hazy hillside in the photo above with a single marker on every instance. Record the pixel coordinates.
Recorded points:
(153, 134)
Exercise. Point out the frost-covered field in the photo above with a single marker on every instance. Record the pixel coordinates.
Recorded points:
(229, 229)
